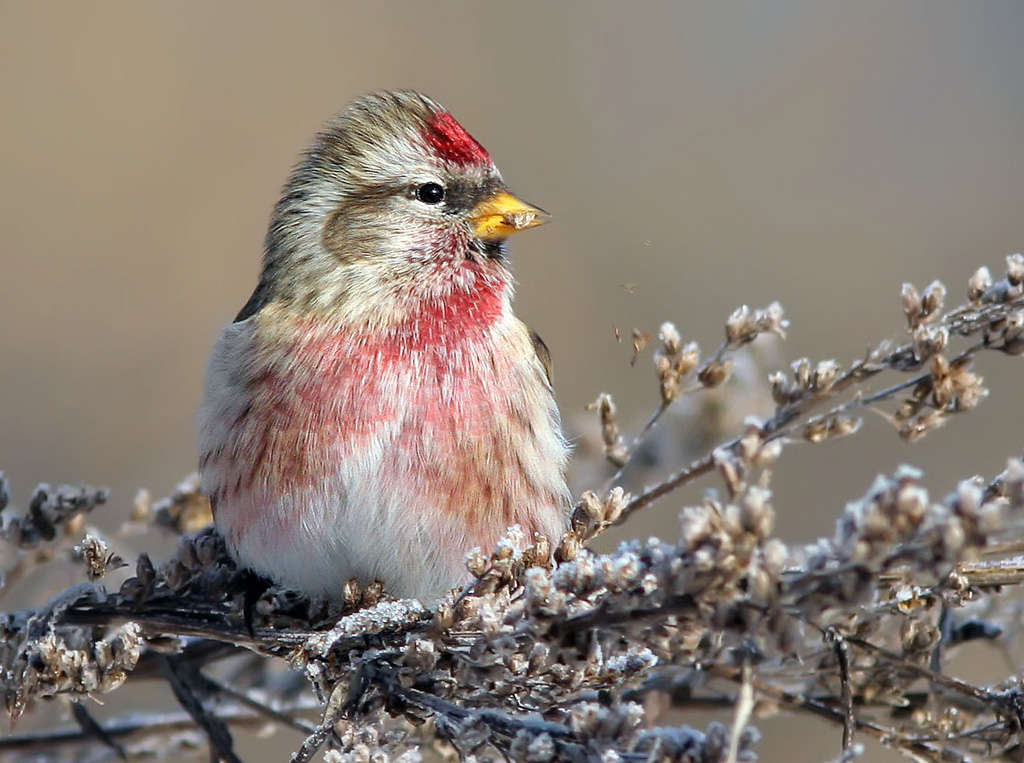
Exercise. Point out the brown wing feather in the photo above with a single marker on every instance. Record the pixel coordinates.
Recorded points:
(543, 354)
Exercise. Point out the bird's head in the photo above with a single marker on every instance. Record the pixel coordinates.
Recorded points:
(394, 203)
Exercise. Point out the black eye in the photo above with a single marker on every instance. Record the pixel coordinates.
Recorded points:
(430, 193)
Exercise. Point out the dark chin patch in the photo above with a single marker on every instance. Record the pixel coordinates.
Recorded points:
(492, 250)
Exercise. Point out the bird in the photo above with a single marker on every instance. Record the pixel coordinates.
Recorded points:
(376, 411)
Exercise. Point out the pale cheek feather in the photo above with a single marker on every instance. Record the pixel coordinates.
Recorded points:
(353, 460)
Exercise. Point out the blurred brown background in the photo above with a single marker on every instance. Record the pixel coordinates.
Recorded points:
(713, 154)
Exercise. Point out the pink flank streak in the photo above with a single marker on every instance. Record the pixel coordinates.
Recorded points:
(452, 143)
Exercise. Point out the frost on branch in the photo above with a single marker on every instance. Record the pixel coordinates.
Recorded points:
(554, 651)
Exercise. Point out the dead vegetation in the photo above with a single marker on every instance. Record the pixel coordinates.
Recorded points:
(554, 651)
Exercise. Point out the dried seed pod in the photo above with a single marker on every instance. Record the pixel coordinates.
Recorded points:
(929, 340)
(352, 593)
(715, 373)
(932, 300)
(617, 501)
(978, 284)
(145, 571)
(591, 504)
(670, 338)
(830, 427)
(942, 392)
(911, 304)
(801, 373)
(768, 454)
(93, 550)
(208, 548)
(688, 358)
(444, 616)
(782, 388)
(477, 563)
(188, 555)
(750, 443)
(825, 374)
(615, 448)
(1015, 269)
(730, 468)
(772, 320)
(668, 377)
(816, 431)
(1013, 333)
(915, 428)
(177, 575)
(539, 554)
(741, 326)
(132, 589)
(569, 548)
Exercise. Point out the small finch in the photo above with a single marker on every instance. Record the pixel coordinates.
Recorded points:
(376, 410)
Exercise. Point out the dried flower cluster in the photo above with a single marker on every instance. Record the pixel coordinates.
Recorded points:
(48, 509)
(554, 652)
(55, 665)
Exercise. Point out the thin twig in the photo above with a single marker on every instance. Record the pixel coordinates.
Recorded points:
(822, 710)
(248, 700)
(842, 654)
(185, 683)
(136, 726)
(91, 726)
(741, 714)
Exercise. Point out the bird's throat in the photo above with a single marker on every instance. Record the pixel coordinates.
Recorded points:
(464, 312)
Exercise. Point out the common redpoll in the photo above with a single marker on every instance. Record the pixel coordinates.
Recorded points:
(376, 410)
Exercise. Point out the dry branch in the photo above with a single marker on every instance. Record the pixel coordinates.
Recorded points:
(555, 652)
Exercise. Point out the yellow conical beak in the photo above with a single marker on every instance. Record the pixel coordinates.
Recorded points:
(503, 214)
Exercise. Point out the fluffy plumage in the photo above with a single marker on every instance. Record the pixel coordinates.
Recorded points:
(376, 410)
